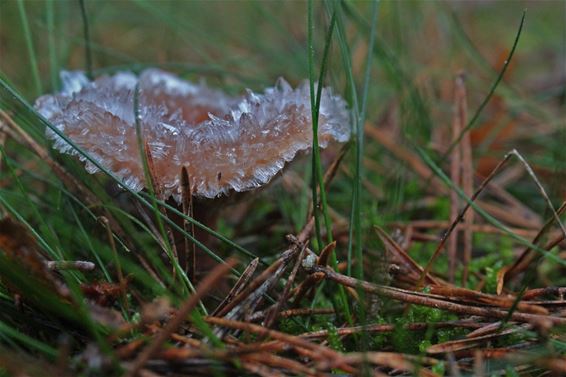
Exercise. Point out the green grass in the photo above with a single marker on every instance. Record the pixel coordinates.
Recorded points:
(30, 49)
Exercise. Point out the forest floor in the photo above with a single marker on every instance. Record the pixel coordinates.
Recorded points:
(435, 245)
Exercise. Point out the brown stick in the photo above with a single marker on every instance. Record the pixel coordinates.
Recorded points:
(272, 317)
(455, 175)
(467, 173)
(381, 328)
(391, 360)
(477, 228)
(306, 285)
(187, 258)
(157, 190)
(434, 301)
(202, 289)
(461, 216)
(401, 254)
(3, 138)
(529, 255)
(239, 286)
(317, 351)
(121, 280)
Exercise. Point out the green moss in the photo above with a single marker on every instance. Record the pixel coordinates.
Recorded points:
(439, 369)
(333, 338)
(491, 277)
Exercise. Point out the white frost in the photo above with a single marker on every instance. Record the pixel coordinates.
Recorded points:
(226, 143)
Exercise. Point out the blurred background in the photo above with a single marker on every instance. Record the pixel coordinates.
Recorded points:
(421, 46)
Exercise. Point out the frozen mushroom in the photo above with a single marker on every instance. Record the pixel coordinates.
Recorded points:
(226, 143)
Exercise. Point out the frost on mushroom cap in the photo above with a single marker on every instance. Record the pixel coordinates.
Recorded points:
(225, 143)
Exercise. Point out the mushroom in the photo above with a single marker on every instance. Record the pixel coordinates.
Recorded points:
(225, 143)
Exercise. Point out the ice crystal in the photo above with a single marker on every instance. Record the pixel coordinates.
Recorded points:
(226, 143)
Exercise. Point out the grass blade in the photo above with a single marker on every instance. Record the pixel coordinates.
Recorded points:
(30, 48)
(86, 36)
(318, 175)
(491, 90)
(53, 62)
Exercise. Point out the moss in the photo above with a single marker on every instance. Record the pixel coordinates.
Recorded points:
(439, 369)
(333, 338)
(491, 277)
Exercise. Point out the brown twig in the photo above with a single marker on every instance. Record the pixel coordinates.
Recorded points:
(392, 360)
(118, 266)
(316, 351)
(477, 228)
(329, 174)
(382, 328)
(255, 284)
(239, 286)
(202, 289)
(3, 138)
(529, 255)
(187, 258)
(294, 313)
(400, 256)
(306, 285)
(435, 301)
(157, 190)
(78, 265)
(461, 216)
(272, 317)
(455, 175)
(275, 361)
(467, 173)
(476, 297)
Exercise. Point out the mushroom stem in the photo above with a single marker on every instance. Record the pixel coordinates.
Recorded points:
(192, 259)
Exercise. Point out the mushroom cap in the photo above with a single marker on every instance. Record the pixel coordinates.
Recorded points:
(226, 143)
